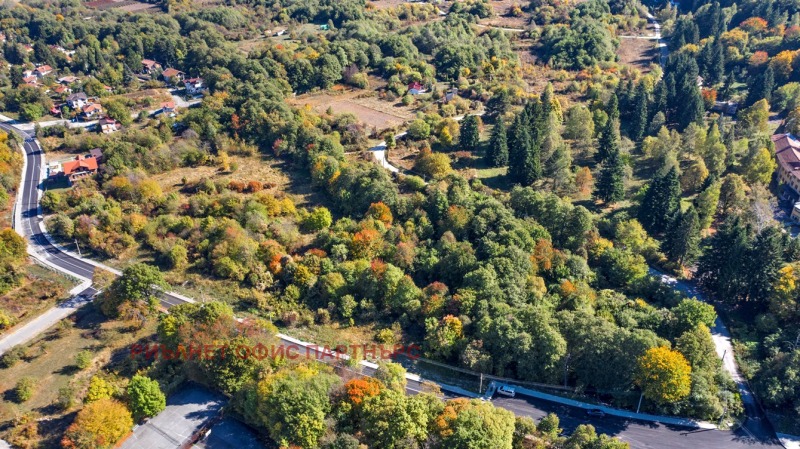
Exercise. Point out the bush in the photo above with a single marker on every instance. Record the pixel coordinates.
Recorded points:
(66, 398)
(414, 183)
(419, 129)
(385, 336)
(319, 218)
(5, 319)
(24, 389)
(146, 397)
(11, 357)
(83, 359)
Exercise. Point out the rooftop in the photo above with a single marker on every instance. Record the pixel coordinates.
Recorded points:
(787, 151)
(170, 72)
(86, 163)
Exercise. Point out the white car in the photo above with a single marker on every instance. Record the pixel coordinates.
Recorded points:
(507, 390)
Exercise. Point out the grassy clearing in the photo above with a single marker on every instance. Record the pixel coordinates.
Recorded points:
(50, 361)
(41, 289)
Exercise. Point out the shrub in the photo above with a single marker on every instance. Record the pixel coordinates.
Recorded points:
(99, 388)
(5, 320)
(11, 357)
(66, 398)
(24, 389)
(319, 218)
(83, 359)
(385, 336)
(254, 186)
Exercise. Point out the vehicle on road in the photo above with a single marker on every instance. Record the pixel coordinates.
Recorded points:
(596, 413)
(507, 390)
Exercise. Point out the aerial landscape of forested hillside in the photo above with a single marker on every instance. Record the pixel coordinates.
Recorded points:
(591, 199)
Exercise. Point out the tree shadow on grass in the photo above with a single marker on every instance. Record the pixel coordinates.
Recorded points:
(68, 370)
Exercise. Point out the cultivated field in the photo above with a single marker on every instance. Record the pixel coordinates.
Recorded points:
(125, 5)
(375, 113)
(502, 19)
(639, 53)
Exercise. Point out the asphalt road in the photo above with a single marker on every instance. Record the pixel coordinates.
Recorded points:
(640, 435)
(30, 211)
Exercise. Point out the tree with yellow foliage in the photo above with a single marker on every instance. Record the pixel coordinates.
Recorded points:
(664, 375)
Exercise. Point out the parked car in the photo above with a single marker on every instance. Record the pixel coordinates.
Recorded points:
(507, 390)
(596, 412)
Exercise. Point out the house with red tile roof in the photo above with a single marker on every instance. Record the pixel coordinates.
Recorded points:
(92, 110)
(148, 66)
(416, 88)
(42, 71)
(787, 152)
(170, 74)
(80, 168)
(194, 86)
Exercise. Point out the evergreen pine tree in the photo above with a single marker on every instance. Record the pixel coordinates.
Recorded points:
(721, 268)
(716, 70)
(691, 106)
(661, 201)
(611, 183)
(533, 164)
(765, 258)
(608, 143)
(671, 97)
(612, 108)
(761, 87)
(519, 144)
(638, 120)
(682, 240)
(469, 133)
(497, 152)
(659, 103)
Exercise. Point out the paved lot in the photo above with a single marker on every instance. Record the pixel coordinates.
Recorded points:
(186, 412)
(230, 434)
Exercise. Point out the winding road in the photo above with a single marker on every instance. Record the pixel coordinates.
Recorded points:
(640, 434)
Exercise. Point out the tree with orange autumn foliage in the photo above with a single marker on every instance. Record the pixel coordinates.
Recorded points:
(365, 244)
(381, 212)
(99, 425)
(473, 424)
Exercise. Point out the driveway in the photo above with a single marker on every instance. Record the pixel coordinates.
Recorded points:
(187, 412)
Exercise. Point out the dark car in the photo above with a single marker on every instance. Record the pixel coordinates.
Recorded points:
(596, 412)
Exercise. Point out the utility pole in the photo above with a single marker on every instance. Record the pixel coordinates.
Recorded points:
(480, 388)
(723, 355)
(640, 402)
(78, 247)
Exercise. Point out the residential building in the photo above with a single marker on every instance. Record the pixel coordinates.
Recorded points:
(97, 153)
(30, 80)
(80, 168)
(149, 66)
(416, 88)
(61, 90)
(67, 80)
(77, 100)
(107, 126)
(787, 152)
(42, 71)
(168, 106)
(92, 111)
(194, 86)
(170, 74)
